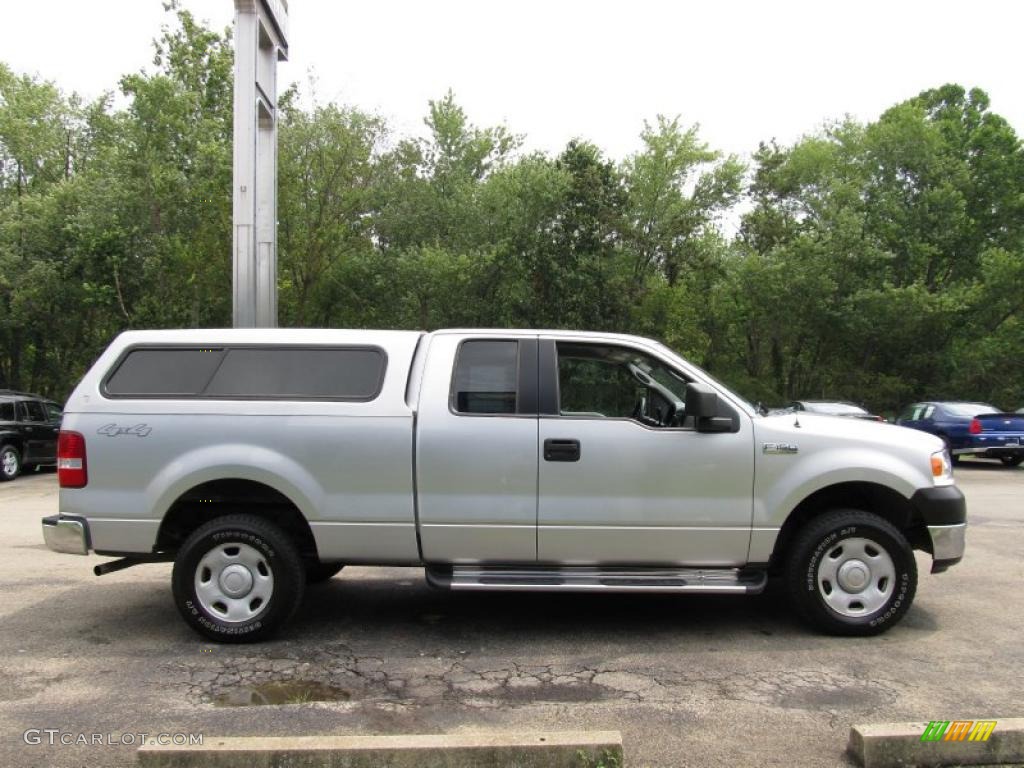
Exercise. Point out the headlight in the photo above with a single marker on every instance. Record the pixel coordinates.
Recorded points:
(942, 468)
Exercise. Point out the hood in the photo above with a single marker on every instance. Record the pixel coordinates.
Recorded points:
(860, 430)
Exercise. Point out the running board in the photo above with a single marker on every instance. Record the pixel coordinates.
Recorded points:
(590, 579)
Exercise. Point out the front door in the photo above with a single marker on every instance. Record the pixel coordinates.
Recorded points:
(624, 477)
(476, 450)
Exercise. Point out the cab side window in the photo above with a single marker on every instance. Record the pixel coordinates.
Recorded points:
(595, 387)
(7, 412)
(485, 377)
(607, 381)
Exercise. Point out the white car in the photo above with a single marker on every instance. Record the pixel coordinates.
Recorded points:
(260, 460)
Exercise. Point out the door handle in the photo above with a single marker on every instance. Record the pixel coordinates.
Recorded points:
(561, 450)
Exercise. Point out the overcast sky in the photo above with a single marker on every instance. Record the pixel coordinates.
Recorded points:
(556, 69)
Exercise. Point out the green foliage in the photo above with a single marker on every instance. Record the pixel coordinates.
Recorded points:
(895, 251)
(607, 759)
(876, 262)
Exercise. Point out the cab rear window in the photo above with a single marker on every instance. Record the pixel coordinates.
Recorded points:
(485, 377)
(273, 373)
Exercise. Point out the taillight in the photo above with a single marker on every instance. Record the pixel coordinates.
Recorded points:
(975, 428)
(71, 467)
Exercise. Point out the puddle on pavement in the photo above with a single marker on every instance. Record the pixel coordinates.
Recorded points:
(280, 692)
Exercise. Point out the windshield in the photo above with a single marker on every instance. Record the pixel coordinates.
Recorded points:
(834, 409)
(969, 410)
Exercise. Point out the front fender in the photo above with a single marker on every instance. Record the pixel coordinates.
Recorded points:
(781, 486)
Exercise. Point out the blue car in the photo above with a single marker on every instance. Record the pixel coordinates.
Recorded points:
(970, 429)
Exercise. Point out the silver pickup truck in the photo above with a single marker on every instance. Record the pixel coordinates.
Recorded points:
(262, 460)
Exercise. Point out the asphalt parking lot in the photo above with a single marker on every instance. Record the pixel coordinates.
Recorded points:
(688, 681)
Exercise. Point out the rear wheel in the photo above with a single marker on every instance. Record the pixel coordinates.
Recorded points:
(10, 462)
(851, 573)
(1012, 461)
(238, 579)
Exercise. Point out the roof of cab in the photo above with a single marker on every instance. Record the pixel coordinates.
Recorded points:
(624, 337)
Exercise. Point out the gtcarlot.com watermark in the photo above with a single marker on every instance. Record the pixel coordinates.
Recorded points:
(55, 737)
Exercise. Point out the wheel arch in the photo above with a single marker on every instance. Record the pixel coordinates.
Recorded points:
(13, 439)
(867, 496)
(223, 496)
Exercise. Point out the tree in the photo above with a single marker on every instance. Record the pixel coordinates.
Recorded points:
(888, 236)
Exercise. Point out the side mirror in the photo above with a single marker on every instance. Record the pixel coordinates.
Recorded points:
(701, 401)
(702, 405)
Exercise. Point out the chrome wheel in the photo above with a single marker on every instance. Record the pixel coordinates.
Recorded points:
(234, 582)
(9, 463)
(856, 577)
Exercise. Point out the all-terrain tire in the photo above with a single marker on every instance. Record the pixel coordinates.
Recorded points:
(214, 566)
(851, 572)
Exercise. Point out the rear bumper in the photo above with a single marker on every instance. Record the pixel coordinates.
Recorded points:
(992, 446)
(991, 452)
(944, 512)
(68, 535)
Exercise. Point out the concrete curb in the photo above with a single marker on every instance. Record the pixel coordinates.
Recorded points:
(898, 745)
(568, 749)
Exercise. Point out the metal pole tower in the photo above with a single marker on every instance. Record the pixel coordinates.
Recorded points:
(261, 40)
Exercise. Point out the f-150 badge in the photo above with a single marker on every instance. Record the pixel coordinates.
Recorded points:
(779, 448)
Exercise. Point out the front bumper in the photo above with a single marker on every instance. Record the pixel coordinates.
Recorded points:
(947, 545)
(68, 535)
(944, 512)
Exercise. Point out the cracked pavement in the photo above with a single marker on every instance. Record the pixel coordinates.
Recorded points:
(690, 681)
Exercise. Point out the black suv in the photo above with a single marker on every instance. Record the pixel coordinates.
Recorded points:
(28, 432)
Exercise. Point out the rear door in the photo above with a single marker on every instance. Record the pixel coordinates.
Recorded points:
(39, 434)
(9, 427)
(624, 477)
(476, 450)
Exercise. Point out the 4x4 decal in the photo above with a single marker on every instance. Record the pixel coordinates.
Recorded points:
(113, 430)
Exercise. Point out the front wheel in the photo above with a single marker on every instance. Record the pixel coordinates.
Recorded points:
(1011, 461)
(851, 573)
(238, 579)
